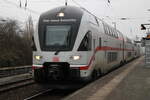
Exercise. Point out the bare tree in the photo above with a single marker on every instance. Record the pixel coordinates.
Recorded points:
(28, 33)
(15, 50)
(29, 30)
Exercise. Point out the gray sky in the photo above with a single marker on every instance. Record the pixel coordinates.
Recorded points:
(134, 10)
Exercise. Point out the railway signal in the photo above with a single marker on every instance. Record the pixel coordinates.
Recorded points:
(143, 27)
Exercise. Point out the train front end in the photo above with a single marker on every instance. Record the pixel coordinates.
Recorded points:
(57, 58)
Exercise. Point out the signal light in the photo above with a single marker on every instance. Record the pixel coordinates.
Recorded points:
(143, 27)
(148, 36)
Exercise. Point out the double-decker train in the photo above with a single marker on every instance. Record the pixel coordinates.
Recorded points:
(73, 44)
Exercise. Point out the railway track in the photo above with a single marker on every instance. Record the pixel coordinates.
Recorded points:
(29, 90)
(14, 85)
(38, 94)
(9, 71)
(50, 94)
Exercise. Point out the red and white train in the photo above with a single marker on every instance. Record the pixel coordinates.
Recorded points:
(73, 44)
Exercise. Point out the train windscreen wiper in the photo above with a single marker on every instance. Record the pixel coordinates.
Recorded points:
(56, 53)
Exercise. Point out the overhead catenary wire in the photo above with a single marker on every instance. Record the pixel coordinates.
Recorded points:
(77, 4)
(66, 2)
(82, 7)
(108, 1)
(20, 3)
(25, 4)
(85, 9)
(8, 4)
(109, 4)
(20, 7)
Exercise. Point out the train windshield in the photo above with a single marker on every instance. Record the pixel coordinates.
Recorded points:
(58, 36)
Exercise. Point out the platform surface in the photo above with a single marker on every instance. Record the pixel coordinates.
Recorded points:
(130, 82)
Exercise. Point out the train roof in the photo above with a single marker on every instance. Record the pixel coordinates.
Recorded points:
(69, 12)
(72, 12)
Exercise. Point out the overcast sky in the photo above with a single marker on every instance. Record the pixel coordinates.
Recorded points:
(134, 10)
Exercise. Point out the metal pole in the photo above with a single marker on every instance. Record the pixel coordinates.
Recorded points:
(66, 2)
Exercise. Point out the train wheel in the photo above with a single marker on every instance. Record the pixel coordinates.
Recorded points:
(121, 63)
(39, 75)
(99, 73)
(95, 75)
(125, 62)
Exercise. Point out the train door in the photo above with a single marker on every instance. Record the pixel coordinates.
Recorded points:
(95, 52)
(123, 50)
(105, 44)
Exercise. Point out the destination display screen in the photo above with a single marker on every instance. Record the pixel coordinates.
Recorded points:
(58, 36)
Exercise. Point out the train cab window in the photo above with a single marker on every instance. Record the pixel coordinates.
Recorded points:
(86, 42)
(57, 36)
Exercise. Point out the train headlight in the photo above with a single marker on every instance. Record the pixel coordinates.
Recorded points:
(75, 57)
(61, 14)
(38, 57)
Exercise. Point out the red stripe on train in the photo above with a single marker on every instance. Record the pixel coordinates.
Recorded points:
(102, 49)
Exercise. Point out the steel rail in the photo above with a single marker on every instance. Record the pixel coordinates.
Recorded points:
(38, 94)
(15, 85)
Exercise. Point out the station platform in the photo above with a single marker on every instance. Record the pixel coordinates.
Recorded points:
(129, 82)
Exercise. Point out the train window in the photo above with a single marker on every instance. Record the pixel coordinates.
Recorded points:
(100, 42)
(93, 43)
(97, 21)
(112, 56)
(117, 34)
(105, 29)
(112, 32)
(108, 32)
(129, 54)
(133, 48)
(86, 42)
